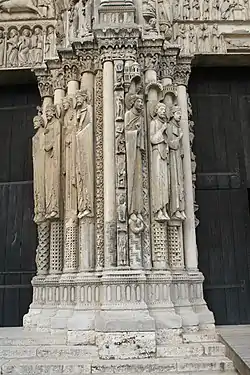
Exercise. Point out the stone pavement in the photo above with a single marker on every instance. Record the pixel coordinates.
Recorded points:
(237, 340)
(25, 352)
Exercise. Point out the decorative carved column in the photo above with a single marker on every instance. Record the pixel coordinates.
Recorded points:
(193, 278)
(87, 222)
(109, 162)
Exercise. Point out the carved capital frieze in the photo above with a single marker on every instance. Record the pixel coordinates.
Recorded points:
(58, 79)
(182, 71)
(44, 82)
(71, 70)
(168, 66)
(149, 60)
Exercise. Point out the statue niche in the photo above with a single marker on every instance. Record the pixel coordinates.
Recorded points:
(84, 154)
(135, 145)
(52, 162)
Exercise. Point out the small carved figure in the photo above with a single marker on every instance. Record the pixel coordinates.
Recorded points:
(159, 167)
(186, 9)
(134, 136)
(2, 47)
(226, 9)
(24, 47)
(136, 223)
(84, 154)
(165, 11)
(215, 9)
(206, 9)
(38, 168)
(119, 108)
(215, 38)
(182, 37)
(50, 43)
(174, 135)
(73, 20)
(36, 51)
(120, 141)
(204, 45)
(192, 37)
(12, 48)
(69, 162)
(52, 162)
(47, 8)
(177, 10)
(149, 14)
(196, 10)
(122, 208)
(121, 174)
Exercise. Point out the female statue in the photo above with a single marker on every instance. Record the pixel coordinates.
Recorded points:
(84, 155)
(174, 134)
(160, 160)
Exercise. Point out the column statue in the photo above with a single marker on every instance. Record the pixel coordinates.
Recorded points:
(84, 154)
(38, 168)
(160, 163)
(69, 152)
(174, 134)
(52, 162)
(135, 145)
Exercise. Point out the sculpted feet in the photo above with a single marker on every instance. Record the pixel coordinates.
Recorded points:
(179, 215)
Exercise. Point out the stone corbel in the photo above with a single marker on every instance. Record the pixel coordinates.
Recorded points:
(44, 82)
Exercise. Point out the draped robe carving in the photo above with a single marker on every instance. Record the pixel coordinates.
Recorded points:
(69, 132)
(38, 168)
(174, 135)
(160, 164)
(52, 162)
(84, 155)
(134, 136)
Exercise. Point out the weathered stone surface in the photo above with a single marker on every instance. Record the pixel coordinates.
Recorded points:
(126, 345)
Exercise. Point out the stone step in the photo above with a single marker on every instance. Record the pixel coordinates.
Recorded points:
(50, 352)
(192, 349)
(39, 366)
(19, 336)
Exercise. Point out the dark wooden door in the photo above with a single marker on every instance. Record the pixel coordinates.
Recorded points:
(17, 231)
(221, 110)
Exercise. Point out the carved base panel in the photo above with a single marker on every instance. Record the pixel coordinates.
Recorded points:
(153, 312)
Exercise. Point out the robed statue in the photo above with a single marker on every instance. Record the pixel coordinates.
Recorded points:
(159, 163)
(174, 136)
(135, 146)
(38, 167)
(52, 148)
(84, 154)
(69, 156)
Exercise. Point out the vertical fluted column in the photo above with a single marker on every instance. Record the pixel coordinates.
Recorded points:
(181, 78)
(109, 165)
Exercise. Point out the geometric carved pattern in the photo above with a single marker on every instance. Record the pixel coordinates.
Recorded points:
(70, 247)
(175, 247)
(56, 242)
(42, 257)
(160, 241)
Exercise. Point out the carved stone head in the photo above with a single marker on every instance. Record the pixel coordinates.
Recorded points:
(176, 113)
(82, 98)
(160, 111)
(137, 102)
(50, 112)
(66, 103)
(38, 122)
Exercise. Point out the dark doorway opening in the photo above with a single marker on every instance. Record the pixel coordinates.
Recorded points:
(221, 111)
(17, 230)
